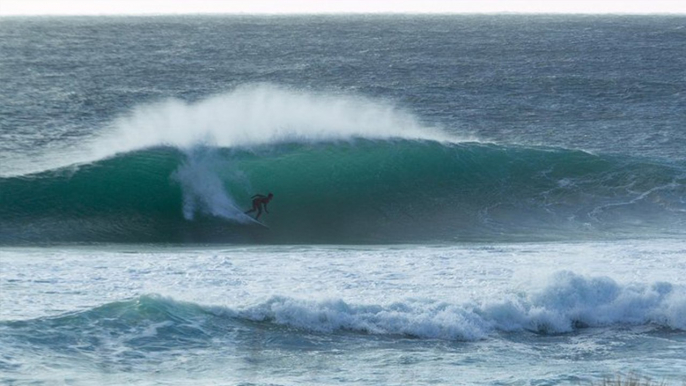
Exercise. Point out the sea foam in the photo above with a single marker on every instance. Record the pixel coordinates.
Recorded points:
(570, 301)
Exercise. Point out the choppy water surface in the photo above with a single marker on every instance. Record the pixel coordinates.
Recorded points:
(458, 200)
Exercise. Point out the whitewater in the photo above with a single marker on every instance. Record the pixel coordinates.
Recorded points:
(488, 200)
(310, 314)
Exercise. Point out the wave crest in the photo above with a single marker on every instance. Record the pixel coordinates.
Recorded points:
(569, 302)
(263, 114)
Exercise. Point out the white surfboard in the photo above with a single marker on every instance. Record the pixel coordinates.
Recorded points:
(253, 221)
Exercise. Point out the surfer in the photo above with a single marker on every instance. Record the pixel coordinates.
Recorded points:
(260, 201)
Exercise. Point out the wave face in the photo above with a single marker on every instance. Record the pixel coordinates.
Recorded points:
(360, 190)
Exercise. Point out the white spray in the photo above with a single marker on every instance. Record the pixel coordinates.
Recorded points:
(263, 115)
(203, 190)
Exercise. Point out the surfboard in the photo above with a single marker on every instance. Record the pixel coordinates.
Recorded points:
(260, 223)
(253, 221)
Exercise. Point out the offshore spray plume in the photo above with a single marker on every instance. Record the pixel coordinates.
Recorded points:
(263, 114)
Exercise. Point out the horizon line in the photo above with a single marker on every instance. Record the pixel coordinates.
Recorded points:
(352, 13)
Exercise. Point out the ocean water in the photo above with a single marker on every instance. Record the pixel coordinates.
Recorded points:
(488, 200)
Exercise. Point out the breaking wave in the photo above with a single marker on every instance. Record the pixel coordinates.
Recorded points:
(343, 169)
(568, 303)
